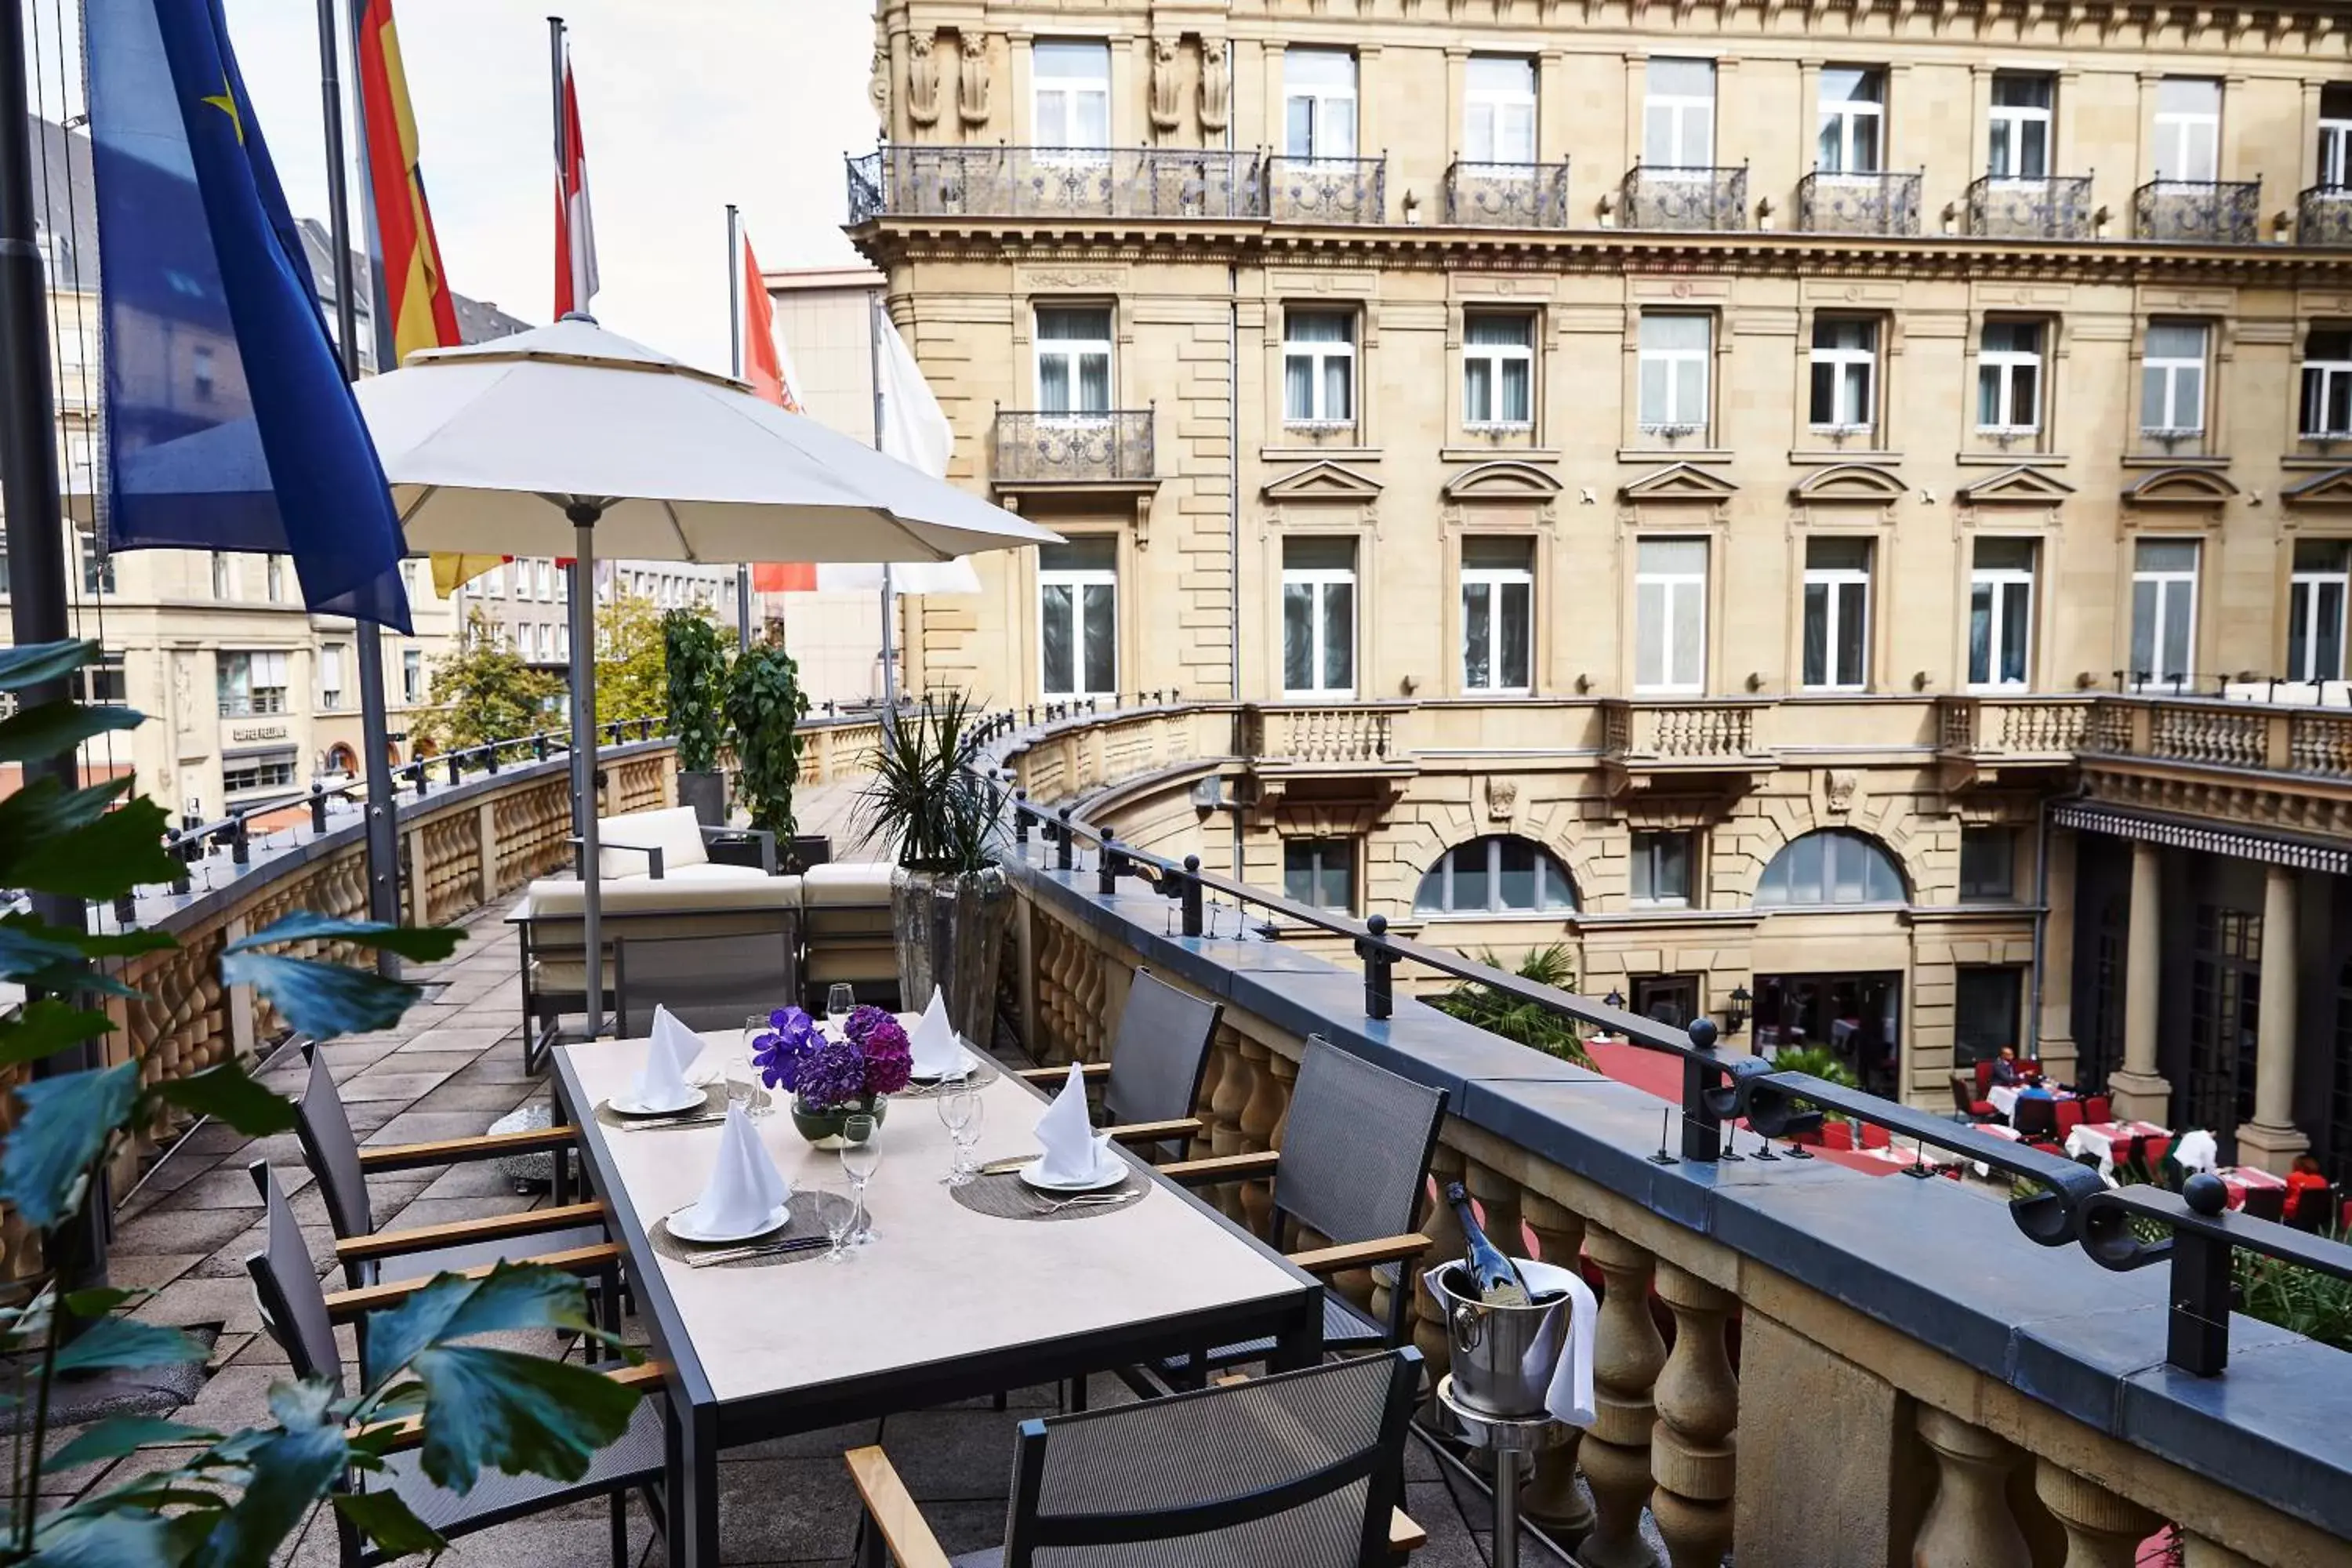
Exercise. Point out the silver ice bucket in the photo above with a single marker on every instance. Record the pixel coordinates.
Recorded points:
(1503, 1357)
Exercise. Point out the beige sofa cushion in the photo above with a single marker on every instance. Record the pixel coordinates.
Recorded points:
(847, 882)
(557, 898)
(674, 832)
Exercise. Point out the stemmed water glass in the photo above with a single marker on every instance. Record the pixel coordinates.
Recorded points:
(959, 1111)
(840, 1000)
(840, 1217)
(859, 1158)
(754, 1026)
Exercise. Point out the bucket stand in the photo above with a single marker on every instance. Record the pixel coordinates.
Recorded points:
(1507, 1438)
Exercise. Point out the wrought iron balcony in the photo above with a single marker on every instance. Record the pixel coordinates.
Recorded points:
(1688, 197)
(2040, 206)
(1880, 202)
(2323, 215)
(1327, 190)
(2201, 212)
(1056, 182)
(1035, 447)
(1507, 195)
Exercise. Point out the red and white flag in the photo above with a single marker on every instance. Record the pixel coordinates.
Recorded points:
(575, 233)
(768, 366)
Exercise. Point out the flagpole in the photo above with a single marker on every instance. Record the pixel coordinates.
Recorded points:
(890, 656)
(735, 367)
(382, 836)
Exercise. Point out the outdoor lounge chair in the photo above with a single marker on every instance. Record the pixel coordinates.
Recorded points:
(671, 845)
(850, 940)
(1152, 1084)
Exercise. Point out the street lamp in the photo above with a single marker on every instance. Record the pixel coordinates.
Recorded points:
(1735, 1013)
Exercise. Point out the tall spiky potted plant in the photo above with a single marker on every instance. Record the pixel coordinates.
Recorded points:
(949, 899)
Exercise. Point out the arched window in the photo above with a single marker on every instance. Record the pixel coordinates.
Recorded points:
(1830, 866)
(1501, 875)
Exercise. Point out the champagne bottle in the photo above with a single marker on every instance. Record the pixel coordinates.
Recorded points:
(1498, 1277)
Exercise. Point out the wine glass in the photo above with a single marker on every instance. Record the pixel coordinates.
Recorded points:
(839, 1215)
(960, 1113)
(743, 1082)
(840, 1000)
(754, 1026)
(859, 1158)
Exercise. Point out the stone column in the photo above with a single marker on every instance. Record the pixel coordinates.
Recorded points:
(2053, 1032)
(1691, 1455)
(2103, 1531)
(2271, 1140)
(2140, 1093)
(1626, 1363)
(1969, 1524)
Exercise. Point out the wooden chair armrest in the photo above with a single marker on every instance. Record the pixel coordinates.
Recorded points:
(894, 1511)
(344, 1305)
(452, 1151)
(407, 1431)
(1222, 1168)
(1154, 1132)
(491, 1227)
(1362, 1254)
(1055, 1075)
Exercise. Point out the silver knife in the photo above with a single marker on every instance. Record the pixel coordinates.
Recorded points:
(1005, 1167)
(655, 1126)
(737, 1254)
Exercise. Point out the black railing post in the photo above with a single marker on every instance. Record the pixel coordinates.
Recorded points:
(538, 746)
(240, 841)
(457, 767)
(317, 807)
(1192, 895)
(177, 850)
(1702, 1132)
(1061, 843)
(1379, 995)
(1107, 865)
(2197, 1337)
(1020, 821)
(421, 770)
(490, 758)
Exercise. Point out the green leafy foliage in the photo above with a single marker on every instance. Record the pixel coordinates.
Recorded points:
(695, 662)
(1820, 1062)
(65, 1125)
(631, 677)
(119, 1434)
(482, 692)
(1500, 1013)
(764, 708)
(225, 1092)
(68, 841)
(323, 1000)
(2301, 1301)
(52, 727)
(927, 801)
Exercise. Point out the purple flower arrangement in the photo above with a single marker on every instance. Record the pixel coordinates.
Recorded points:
(872, 1058)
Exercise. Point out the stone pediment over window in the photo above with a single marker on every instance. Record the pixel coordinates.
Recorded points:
(1502, 480)
(1679, 481)
(2332, 488)
(2021, 486)
(1324, 480)
(1864, 483)
(2181, 487)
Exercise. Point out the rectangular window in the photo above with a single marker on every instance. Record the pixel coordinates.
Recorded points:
(251, 683)
(1674, 369)
(1070, 95)
(544, 570)
(1670, 615)
(1498, 367)
(1073, 347)
(1078, 614)
(1678, 114)
(1837, 614)
(1320, 873)
(1988, 872)
(2336, 135)
(2315, 615)
(2172, 380)
(276, 578)
(2164, 609)
(2326, 383)
(1853, 121)
(102, 684)
(412, 675)
(1318, 617)
(1985, 1012)
(201, 373)
(97, 564)
(224, 576)
(1662, 869)
(2000, 612)
(494, 581)
(1318, 102)
(2019, 148)
(331, 676)
(2009, 378)
(1318, 367)
(1498, 585)
(1845, 373)
(243, 776)
(1499, 109)
(2188, 129)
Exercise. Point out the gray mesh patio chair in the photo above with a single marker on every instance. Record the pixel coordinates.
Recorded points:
(301, 1319)
(1353, 1169)
(1299, 1470)
(1152, 1084)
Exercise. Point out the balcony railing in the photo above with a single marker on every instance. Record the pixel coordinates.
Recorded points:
(1035, 446)
(2323, 215)
(2048, 206)
(1327, 190)
(1507, 195)
(1883, 202)
(2199, 212)
(1694, 198)
(1056, 182)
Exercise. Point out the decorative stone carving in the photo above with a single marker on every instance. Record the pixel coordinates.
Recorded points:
(1167, 91)
(878, 76)
(972, 81)
(1838, 790)
(1216, 86)
(922, 83)
(1502, 799)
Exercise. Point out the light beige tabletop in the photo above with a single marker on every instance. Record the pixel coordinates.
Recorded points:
(938, 1281)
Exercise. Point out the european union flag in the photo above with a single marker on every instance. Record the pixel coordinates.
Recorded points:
(228, 423)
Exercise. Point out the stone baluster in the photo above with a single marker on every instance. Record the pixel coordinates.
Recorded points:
(1549, 1497)
(1969, 1524)
(1212, 1070)
(1446, 1242)
(1260, 1114)
(1626, 1363)
(1236, 1081)
(2198, 1553)
(2103, 1531)
(1691, 1453)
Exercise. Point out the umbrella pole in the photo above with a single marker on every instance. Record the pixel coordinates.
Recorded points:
(583, 750)
(874, 370)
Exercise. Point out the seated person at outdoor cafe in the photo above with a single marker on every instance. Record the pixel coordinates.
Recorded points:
(2305, 1177)
(2004, 1066)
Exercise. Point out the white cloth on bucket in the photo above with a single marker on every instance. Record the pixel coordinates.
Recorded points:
(1071, 1151)
(1569, 1396)
(662, 1081)
(745, 1187)
(932, 1044)
(2196, 1152)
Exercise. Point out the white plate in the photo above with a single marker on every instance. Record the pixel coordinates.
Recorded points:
(1109, 1173)
(628, 1104)
(970, 1066)
(682, 1226)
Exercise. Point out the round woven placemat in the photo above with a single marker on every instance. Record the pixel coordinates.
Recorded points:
(809, 1212)
(714, 1104)
(981, 1076)
(1010, 1197)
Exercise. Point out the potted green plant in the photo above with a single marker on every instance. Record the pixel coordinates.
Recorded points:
(764, 706)
(695, 666)
(949, 899)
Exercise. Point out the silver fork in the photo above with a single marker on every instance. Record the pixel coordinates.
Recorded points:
(1091, 1200)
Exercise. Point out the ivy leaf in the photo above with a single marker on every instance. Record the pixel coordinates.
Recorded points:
(113, 1343)
(418, 944)
(54, 726)
(67, 1120)
(227, 1093)
(126, 1539)
(46, 1026)
(321, 1000)
(35, 662)
(383, 1519)
(119, 1434)
(511, 1411)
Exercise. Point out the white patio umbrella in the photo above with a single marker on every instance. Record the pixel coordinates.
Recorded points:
(569, 439)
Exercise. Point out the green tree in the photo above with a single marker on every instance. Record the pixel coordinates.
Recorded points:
(1500, 1013)
(482, 692)
(632, 670)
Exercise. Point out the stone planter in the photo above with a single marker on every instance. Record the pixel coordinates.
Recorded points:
(950, 930)
(805, 850)
(707, 793)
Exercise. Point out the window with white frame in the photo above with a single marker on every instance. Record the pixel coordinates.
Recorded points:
(2326, 383)
(331, 676)
(494, 581)
(2172, 380)
(1499, 874)
(1852, 137)
(1318, 103)
(2000, 612)
(2336, 136)
(96, 563)
(250, 683)
(412, 675)
(1499, 109)
(2019, 144)
(1318, 367)
(1674, 351)
(1678, 114)
(1844, 373)
(2188, 129)
(1662, 867)
(2314, 609)
(245, 775)
(2009, 378)
(1670, 615)
(544, 571)
(1320, 873)
(1498, 585)
(2164, 610)
(1318, 616)
(1070, 94)
(1837, 614)
(1499, 364)
(1072, 349)
(1077, 616)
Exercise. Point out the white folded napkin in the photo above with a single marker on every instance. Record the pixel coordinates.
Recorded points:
(701, 1067)
(745, 1185)
(1569, 1396)
(662, 1080)
(1072, 1152)
(932, 1043)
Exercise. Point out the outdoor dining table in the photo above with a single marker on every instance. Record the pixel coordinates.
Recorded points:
(2100, 1138)
(2242, 1179)
(945, 1303)
(2003, 1097)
